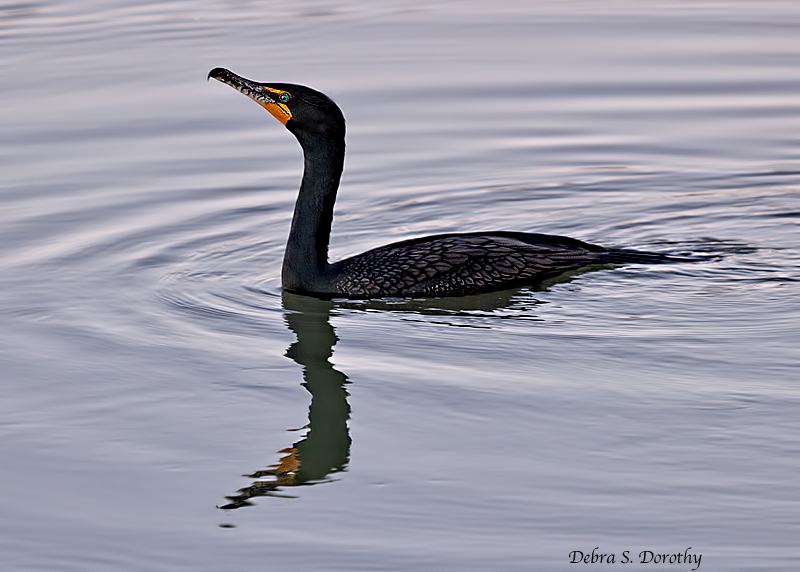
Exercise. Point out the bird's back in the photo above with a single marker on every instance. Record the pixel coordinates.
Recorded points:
(461, 264)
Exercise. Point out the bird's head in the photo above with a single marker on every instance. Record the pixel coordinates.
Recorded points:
(304, 111)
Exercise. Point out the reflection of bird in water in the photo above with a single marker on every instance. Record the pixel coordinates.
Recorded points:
(325, 448)
(441, 265)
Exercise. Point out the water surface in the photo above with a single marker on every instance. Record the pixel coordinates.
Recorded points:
(166, 407)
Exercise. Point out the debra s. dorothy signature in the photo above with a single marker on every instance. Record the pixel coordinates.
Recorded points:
(596, 556)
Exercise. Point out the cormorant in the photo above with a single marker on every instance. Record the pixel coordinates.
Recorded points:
(440, 265)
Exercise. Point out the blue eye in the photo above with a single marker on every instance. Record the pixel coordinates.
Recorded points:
(283, 98)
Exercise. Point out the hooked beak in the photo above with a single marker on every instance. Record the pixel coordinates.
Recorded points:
(260, 93)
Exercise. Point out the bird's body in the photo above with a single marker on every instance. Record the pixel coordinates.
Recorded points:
(441, 265)
(461, 264)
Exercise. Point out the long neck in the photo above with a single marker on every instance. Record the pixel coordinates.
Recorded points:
(306, 256)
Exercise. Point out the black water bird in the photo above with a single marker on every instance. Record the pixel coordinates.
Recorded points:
(440, 265)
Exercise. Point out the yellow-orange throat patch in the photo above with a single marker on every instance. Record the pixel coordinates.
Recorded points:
(279, 111)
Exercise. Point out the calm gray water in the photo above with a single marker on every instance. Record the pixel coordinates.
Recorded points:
(165, 407)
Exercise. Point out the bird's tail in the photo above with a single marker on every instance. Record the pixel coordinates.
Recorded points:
(627, 255)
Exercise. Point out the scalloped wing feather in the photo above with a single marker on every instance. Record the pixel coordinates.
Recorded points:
(457, 265)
